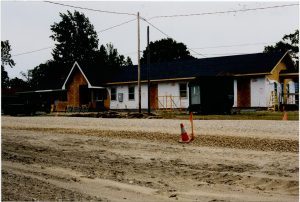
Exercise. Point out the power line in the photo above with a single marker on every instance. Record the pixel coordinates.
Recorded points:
(32, 51)
(90, 9)
(116, 25)
(235, 45)
(168, 35)
(221, 12)
(236, 53)
(104, 30)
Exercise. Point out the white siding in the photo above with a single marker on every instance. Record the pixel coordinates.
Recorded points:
(129, 104)
(235, 93)
(291, 98)
(164, 90)
(269, 86)
(258, 89)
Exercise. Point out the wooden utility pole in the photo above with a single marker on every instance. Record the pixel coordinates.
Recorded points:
(148, 70)
(139, 62)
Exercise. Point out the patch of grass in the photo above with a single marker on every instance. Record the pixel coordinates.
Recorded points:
(258, 115)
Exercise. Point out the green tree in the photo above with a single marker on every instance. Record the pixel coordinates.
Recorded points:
(114, 59)
(6, 60)
(76, 40)
(75, 37)
(48, 75)
(166, 50)
(18, 84)
(110, 62)
(290, 42)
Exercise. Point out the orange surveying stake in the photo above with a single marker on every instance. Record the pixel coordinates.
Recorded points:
(192, 124)
(185, 138)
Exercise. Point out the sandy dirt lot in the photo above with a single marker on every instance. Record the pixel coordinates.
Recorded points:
(67, 158)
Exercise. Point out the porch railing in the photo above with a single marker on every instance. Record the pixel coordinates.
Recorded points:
(169, 103)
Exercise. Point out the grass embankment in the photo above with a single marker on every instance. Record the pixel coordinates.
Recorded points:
(256, 115)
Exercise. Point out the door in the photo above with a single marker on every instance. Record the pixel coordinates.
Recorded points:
(153, 96)
(195, 95)
(243, 92)
(84, 96)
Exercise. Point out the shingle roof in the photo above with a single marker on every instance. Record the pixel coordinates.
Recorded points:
(216, 66)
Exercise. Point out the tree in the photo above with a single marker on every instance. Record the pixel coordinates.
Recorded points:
(18, 84)
(114, 59)
(6, 60)
(48, 75)
(108, 62)
(166, 50)
(76, 39)
(290, 42)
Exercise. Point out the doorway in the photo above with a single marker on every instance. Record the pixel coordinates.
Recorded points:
(243, 92)
(153, 96)
(84, 95)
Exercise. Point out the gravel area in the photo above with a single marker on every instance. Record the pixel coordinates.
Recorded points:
(247, 128)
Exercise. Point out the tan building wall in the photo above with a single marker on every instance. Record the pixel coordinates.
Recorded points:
(276, 71)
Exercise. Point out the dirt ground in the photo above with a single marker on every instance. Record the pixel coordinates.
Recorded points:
(67, 158)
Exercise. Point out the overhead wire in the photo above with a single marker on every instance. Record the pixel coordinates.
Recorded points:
(235, 45)
(236, 53)
(91, 9)
(168, 35)
(116, 25)
(33, 51)
(101, 31)
(147, 21)
(222, 12)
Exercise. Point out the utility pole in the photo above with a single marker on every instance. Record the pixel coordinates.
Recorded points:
(139, 62)
(148, 70)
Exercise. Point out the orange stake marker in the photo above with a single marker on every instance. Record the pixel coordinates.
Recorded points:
(285, 116)
(192, 124)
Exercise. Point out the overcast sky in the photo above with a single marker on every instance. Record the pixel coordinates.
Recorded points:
(26, 24)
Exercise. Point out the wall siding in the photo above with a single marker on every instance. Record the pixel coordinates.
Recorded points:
(276, 71)
(235, 93)
(258, 89)
(129, 104)
(171, 89)
(73, 88)
(164, 89)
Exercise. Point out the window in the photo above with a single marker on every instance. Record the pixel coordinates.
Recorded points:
(275, 87)
(113, 93)
(131, 93)
(182, 90)
(296, 87)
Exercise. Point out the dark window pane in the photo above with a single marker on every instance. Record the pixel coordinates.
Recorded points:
(113, 94)
(183, 90)
(131, 93)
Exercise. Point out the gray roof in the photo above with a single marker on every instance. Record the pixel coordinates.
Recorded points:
(258, 63)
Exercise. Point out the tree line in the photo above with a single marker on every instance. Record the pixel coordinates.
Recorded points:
(76, 40)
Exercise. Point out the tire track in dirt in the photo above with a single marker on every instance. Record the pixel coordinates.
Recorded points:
(150, 160)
